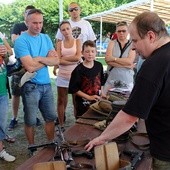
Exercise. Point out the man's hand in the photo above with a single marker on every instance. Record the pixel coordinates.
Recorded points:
(95, 142)
(52, 53)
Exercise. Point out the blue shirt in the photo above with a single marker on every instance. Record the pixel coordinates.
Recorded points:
(34, 46)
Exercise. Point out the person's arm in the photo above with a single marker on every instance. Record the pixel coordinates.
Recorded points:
(14, 37)
(3, 50)
(124, 61)
(9, 49)
(86, 96)
(39, 62)
(15, 33)
(119, 125)
(91, 34)
(51, 59)
(119, 62)
(55, 70)
(31, 64)
(108, 55)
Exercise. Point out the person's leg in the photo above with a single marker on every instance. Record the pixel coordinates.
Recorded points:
(3, 115)
(74, 105)
(3, 122)
(16, 92)
(50, 130)
(29, 131)
(1, 146)
(62, 103)
(15, 105)
(4, 155)
(47, 108)
(30, 98)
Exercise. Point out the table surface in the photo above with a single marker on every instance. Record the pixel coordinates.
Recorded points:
(84, 130)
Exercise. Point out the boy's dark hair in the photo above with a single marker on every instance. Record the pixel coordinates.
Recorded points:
(88, 43)
(29, 7)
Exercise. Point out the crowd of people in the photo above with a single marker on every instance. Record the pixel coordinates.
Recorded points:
(79, 74)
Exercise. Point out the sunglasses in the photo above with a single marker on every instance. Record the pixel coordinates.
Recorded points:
(73, 9)
(119, 31)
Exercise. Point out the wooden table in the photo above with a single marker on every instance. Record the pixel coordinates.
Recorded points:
(84, 131)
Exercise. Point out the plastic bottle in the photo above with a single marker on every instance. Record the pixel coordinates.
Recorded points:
(1, 43)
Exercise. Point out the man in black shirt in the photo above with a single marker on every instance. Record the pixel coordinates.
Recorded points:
(150, 96)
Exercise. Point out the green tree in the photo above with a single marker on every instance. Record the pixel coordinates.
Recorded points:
(13, 13)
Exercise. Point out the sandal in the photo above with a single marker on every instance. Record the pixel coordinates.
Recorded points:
(9, 139)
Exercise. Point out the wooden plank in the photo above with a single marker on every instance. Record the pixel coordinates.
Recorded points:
(112, 156)
(100, 158)
(107, 157)
(43, 166)
(44, 155)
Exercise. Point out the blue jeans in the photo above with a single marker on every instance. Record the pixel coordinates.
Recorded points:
(34, 97)
(3, 115)
(160, 165)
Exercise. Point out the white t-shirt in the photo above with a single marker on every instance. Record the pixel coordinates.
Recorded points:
(81, 30)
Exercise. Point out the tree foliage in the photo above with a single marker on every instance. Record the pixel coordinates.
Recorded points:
(13, 13)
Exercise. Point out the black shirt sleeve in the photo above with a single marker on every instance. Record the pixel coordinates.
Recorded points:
(74, 84)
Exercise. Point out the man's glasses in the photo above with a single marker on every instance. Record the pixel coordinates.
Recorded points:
(73, 9)
(119, 31)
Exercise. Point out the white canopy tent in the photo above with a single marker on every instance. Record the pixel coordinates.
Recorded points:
(127, 12)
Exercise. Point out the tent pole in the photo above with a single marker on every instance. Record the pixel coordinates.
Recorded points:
(101, 25)
(151, 7)
(60, 10)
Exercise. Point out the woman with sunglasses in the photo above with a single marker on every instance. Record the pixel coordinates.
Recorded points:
(120, 59)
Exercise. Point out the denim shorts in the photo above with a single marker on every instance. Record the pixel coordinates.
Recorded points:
(160, 165)
(38, 97)
(3, 115)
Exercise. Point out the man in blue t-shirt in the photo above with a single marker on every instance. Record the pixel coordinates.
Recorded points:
(35, 51)
(17, 30)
